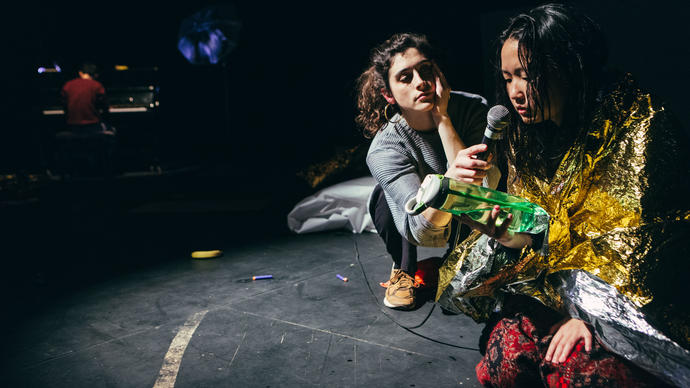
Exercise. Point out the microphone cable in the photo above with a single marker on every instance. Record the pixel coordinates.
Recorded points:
(407, 328)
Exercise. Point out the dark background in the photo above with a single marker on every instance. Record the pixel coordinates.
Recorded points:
(291, 104)
(291, 77)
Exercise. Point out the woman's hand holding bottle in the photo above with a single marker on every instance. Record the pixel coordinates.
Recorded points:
(499, 233)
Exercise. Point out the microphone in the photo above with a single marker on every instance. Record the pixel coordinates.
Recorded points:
(496, 120)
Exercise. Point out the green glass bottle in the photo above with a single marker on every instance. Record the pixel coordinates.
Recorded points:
(456, 197)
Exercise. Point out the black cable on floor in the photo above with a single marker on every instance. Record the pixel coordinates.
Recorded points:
(408, 328)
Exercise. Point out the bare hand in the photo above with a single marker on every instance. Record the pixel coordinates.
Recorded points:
(442, 96)
(568, 334)
(490, 229)
(466, 168)
(499, 233)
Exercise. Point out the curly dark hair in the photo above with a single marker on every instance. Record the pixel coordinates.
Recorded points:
(370, 101)
(558, 45)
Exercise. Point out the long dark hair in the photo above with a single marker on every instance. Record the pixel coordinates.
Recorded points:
(370, 102)
(558, 45)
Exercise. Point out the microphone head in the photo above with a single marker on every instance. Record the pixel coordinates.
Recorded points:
(498, 118)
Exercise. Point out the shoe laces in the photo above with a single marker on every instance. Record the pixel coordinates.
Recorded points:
(417, 283)
(404, 280)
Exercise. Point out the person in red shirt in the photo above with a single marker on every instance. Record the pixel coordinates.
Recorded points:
(84, 100)
(88, 142)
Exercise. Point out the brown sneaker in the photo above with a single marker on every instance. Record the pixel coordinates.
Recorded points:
(400, 293)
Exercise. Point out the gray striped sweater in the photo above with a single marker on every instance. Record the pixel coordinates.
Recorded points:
(399, 158)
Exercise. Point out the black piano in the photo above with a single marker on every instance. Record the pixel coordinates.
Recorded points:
(133, 100)
(128, 90)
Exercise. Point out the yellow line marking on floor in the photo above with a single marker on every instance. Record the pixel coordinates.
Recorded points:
(173, 359)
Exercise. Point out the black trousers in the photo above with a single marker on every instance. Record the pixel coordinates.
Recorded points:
(84, 149)
(403, 252)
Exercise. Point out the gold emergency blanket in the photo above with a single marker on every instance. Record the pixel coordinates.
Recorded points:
(615, 253)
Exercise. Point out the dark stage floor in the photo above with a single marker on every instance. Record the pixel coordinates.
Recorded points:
(162, 319)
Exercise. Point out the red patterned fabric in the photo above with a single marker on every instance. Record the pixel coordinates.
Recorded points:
(515, 353)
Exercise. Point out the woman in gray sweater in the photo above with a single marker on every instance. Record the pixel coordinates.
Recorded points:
(419, 127)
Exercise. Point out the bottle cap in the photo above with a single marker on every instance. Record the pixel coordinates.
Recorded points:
(425, 195)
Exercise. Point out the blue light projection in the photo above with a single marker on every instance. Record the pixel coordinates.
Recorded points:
(208, 36)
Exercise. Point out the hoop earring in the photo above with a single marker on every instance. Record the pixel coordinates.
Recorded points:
(385, 114)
